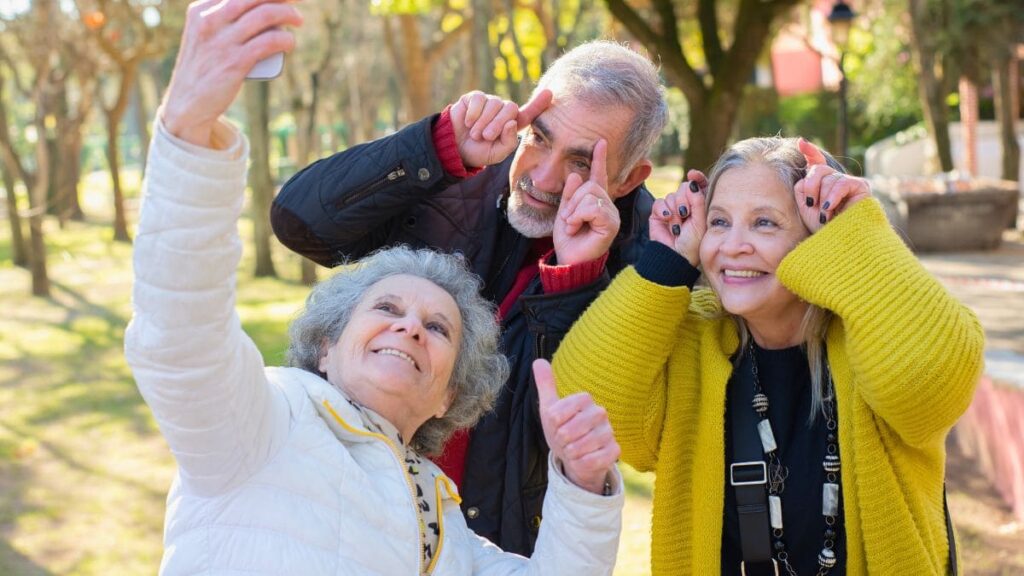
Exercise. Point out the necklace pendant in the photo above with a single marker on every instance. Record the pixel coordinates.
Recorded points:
(826, 558)
(775, 511)
(831, 463)
(764, 430)
(760, 403)
(829, 499)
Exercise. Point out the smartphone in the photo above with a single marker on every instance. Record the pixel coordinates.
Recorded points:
(268, 68)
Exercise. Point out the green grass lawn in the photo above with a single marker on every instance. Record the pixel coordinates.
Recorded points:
(83, 468)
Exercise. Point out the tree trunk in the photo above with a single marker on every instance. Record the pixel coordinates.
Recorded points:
(482, 54)
(931, 84)
(114, 165)
(547, 15)
(257, 107)
(19, 250)
(305, 146)
(1005, 81)
(69, 175)
(969, 124)
(12, 170)
(142, 118)
(65, 168)
(714, 94)
(418, 72)
(709, 133)
(115, 114)
(53, 199)
(37, 207)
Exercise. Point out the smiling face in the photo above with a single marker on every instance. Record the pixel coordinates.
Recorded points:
(558, 143)
(752, 224)
(398, 350)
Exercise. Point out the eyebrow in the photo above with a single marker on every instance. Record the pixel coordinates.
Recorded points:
(764, 208)
(393, 297)
(587, 153)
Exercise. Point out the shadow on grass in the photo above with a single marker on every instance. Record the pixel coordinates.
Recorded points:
(79, 462)
(85, 307)
(13, 562)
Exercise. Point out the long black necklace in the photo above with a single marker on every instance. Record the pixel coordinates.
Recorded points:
(777, 473)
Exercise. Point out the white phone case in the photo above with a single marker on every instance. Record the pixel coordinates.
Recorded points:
(268, 68)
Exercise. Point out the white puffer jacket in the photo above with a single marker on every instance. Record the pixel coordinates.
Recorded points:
(276, 474)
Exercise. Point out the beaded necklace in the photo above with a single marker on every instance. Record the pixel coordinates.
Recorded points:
(777, 473)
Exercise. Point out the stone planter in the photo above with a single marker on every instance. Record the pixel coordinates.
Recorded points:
(943, 215)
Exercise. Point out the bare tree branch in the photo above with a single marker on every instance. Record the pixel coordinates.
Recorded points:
(708, 18)
(676, 65)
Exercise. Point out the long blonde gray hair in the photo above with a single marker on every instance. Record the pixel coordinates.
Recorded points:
(783, 157)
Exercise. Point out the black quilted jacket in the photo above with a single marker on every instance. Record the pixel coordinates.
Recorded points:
(394, 190)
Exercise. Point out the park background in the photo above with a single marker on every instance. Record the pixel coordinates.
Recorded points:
(83, 469)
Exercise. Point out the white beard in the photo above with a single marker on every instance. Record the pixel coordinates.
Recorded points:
(527, 220)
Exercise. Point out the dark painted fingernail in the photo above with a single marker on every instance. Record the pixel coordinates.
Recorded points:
(693, 187)
(666, 213)
(810, 201)
(675, 229)
(822, 218)
(826, 205)
(683, 211)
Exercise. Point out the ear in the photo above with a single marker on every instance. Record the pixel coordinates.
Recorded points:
(448, 400)
(640, 172)
(325, 347)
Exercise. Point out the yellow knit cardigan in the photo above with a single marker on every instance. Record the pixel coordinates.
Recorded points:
(904, 354)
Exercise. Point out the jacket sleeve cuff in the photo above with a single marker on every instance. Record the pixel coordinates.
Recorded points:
(663, 265)
(447, 147)
(613, 482)
(563, 278)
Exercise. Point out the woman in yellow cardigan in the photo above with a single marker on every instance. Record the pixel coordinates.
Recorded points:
(795, 413)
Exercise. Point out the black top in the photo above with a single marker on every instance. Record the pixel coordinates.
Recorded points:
(786, 380)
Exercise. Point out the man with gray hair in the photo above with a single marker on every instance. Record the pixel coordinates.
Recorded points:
(529, 213)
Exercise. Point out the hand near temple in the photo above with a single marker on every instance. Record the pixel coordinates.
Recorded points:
(577, 431)
(587, 219)
(679, 220)
(824, 192)
(486, 126)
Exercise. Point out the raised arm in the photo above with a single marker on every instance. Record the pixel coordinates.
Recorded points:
(916, 352)
(200, 374)
(353, 202)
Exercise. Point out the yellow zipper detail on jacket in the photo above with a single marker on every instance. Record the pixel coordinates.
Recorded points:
(438, 482)
(408, 482)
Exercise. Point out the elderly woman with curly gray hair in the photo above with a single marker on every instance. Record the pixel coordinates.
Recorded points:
(320, 467)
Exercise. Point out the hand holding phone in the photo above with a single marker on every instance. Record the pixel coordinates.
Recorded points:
(221, 45)
(268, 68)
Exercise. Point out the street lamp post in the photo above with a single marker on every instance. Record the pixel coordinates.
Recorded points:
(839, 23)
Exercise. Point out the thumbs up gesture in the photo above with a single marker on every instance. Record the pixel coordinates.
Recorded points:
(577, 431)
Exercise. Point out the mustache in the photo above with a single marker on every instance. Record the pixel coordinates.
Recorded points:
(525, 185)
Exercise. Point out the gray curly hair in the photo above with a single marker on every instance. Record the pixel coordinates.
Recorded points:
(480, 369)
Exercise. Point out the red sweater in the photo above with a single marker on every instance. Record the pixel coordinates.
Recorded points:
(553, 278)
